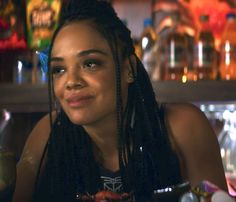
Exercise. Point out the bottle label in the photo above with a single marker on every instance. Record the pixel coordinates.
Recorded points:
(204, 55)
(228, 54)
(228, 61)
(176, 56)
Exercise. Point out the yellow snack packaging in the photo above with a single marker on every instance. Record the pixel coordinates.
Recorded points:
(42, 19)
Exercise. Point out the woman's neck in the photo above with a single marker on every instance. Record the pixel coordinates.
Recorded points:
(105, 143)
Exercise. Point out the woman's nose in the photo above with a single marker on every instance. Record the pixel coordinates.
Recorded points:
(74, 81)
(73, 85)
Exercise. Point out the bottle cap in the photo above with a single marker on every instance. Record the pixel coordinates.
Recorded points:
(125, 22)
(230, 15)
(204, 18)
(147, 22)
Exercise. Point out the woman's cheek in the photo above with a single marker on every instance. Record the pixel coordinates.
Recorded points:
(58, 88)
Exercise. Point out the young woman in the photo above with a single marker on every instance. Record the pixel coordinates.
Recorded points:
(110, 133)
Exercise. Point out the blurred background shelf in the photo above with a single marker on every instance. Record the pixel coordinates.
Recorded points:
(24, 98)
(200, 91)
(34, 98)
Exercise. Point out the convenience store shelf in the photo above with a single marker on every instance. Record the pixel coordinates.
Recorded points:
(200, 91)
(24, 98)
(34, 98)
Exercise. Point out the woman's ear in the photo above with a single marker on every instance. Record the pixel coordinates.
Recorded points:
(132, 68)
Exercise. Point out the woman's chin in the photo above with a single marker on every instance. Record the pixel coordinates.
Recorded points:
(78, 121)
(81, 119)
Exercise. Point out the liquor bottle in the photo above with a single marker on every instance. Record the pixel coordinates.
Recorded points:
(228, 49)
(22, 72)
(148, 44)
(175, 53)
(205, 59)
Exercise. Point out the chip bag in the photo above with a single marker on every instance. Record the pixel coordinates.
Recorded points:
(42, 19)
(12, 35)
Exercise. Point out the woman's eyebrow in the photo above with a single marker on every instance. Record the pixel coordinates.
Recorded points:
(91, 51)
(80, 54)
(57, 59)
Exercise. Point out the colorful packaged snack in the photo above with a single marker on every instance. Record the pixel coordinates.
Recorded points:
(12, 34)
(42, 17)
(7, 9)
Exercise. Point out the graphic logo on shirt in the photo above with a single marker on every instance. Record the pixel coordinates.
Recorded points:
(112, 183)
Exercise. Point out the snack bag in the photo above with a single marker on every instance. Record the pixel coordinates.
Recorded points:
(42, 17)
(6, 10)
(12, 34)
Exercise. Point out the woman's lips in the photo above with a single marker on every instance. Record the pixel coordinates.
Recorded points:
(79, 101)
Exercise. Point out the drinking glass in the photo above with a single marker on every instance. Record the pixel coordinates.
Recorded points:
(7, 174)
(7, 160)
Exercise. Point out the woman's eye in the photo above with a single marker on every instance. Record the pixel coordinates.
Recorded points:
(91, 64)
(56, 71)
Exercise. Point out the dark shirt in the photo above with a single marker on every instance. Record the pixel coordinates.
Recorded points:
(161, 173)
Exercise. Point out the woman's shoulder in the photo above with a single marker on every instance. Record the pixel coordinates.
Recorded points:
(195, 142)
(186, 122)
(37, 139)
(41, 130)
(183, 109)
(28, 165)
(185, 115)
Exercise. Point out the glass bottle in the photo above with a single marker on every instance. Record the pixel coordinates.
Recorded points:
(175, 53)
(148, 44)
(22, 72)
(205, 59)
(228, 49)
(227, 141)
(7, 159)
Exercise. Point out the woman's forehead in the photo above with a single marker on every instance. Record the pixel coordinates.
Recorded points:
(81, 35)
(81, 30)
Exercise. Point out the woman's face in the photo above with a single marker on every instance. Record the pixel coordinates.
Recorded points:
(84, 74)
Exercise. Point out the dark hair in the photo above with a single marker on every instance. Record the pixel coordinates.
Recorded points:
(71, 168)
